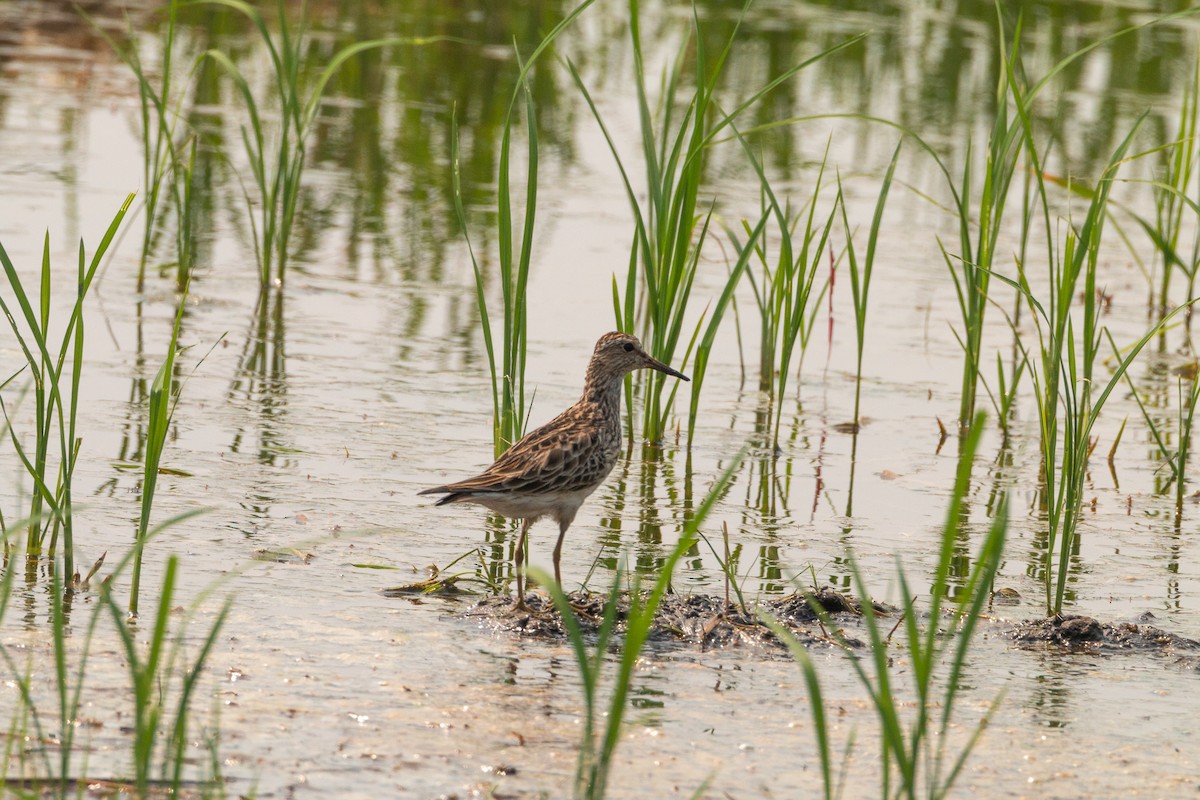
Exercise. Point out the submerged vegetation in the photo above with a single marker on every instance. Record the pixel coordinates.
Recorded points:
(739, 241)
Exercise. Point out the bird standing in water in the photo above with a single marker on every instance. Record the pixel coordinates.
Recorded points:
(552, 470)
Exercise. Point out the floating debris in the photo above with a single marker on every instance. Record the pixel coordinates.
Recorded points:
(435, 584)
(283, 556)
(1006, 596)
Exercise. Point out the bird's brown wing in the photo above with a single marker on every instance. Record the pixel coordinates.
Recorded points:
(562, 455)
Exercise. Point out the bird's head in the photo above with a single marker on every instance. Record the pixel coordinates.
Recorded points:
(618, 354)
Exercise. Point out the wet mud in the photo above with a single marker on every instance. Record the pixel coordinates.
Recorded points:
(708, 622)
(697, 620)
(1076, 633)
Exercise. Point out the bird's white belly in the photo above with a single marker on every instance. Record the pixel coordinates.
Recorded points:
(558, 505)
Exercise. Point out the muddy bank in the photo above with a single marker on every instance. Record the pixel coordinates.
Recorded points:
(708, 622)
(698, 620)
(1080, 634)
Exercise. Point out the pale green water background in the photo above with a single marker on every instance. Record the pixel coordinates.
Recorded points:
(312, 424)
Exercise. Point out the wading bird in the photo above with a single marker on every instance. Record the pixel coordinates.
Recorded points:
(552, 470)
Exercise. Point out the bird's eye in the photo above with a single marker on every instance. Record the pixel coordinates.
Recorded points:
(628, 347)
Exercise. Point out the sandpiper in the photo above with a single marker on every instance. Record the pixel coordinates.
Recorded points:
(552, 470)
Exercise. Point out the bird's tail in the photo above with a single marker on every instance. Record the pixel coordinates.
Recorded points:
(451, 495)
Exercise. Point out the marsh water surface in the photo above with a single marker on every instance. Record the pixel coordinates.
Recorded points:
(312, 414)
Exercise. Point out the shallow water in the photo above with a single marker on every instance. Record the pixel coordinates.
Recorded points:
(307, 424)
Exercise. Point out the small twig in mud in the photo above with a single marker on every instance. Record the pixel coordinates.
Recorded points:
(892, 632)
(725, 536)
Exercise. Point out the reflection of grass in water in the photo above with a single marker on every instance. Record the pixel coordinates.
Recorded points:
(56, 378)
(915, 761)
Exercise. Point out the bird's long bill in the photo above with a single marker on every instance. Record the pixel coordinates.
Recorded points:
(661, 367)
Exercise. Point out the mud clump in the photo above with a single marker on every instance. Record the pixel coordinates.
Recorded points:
(706, 622)
(699, 620)
(1085, 634)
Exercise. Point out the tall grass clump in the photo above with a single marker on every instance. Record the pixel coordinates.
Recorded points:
(160, 730)
(508, 369)
(1068, 391)
(915, 758)
(602, 729)
(55, 369)
(158, 412)
(166, 670)
(1175, 211)
(1176, 458)
(276, 150)
(672, 225)
(1062, 365)
(978, 233)
(860, 273)
(165, 673)
(784, 285)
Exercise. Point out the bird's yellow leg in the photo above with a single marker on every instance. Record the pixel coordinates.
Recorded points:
(519, 564)
(562, 532)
